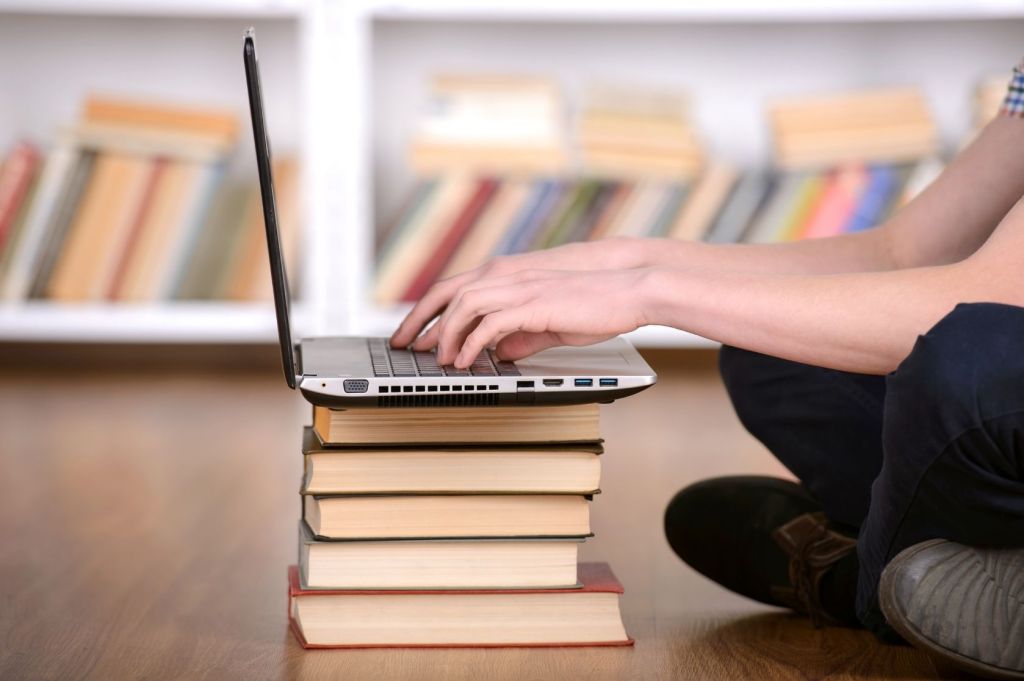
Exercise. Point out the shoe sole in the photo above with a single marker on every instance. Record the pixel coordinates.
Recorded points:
(909, 631)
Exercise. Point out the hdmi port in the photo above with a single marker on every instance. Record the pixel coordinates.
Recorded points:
(553, 382)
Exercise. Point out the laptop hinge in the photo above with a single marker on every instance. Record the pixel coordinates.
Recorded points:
(297, 355)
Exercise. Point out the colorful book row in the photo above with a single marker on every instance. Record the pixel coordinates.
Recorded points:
(92, 223)
(455, 223)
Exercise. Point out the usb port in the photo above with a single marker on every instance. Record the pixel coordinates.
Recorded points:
(608, 381)
(524, 384)
(552, 382)
(584, 382)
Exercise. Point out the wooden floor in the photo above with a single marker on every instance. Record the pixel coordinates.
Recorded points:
(147, 518)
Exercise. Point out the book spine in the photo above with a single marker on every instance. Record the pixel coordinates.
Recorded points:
(463, 222)
(666, 217)
(56, 233)
(523, 235)
(564, 225)
(601, 203)
(132, 238)
(15, 179)
(804, 205)
(25, 259)
(837, 205)
(874, 200)
(190, 230)
(747, 201)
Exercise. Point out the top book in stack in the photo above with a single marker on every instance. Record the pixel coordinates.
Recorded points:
(490, 124)
(457, 425)
(624, 133)
(880, 126)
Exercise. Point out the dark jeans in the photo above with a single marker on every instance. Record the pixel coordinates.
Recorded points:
(934, 449)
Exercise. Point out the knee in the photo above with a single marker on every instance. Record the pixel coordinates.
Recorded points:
(969, 364)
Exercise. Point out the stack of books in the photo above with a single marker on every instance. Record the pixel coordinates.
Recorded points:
(490, 123)
(626, 132)
(131, 204)
(883, 126)
(451, 526)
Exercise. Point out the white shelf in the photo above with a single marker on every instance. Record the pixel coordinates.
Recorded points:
(643, 11)
(178, 322)
(255, 9)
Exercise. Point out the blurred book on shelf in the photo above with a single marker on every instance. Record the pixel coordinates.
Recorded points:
(490, 123)
(843, 163)
(131, 204)
(988, 99)
(884, 126)
(625, 132)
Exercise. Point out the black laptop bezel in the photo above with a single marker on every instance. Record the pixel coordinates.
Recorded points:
(278, 273)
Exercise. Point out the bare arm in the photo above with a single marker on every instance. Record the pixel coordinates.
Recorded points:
(862, 321)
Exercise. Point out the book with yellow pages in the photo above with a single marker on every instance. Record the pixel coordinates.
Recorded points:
(457, 425)
(512, 563)
(479, 618)
(418, 516)
(555, 469)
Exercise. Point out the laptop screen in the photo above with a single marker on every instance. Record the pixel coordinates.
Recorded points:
(278, 275)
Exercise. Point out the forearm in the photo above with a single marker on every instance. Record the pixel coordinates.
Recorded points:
(955, 215)
(861, 322)
(866, 251)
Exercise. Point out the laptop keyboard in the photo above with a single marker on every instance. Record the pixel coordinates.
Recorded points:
(388, 361)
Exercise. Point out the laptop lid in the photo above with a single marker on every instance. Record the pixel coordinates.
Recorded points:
(278, 275)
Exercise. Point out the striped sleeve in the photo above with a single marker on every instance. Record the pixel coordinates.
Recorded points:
(1013, 104)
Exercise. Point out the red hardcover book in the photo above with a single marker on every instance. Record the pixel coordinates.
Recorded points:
(453, 237)
(15, 180)
(483, 618)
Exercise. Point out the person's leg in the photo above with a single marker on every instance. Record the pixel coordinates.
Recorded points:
(824, 425)
(953, 441)
(767, 538)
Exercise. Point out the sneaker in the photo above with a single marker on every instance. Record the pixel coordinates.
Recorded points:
(766, 539)
(962, 604)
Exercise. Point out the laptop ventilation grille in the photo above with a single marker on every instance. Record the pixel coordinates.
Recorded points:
(435, 400)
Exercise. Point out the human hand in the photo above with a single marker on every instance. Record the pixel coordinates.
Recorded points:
(606, 254)
(526, 312)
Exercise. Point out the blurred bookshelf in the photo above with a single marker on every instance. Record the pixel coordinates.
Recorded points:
(345, 83)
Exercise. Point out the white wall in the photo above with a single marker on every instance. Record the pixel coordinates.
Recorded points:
(178, 60)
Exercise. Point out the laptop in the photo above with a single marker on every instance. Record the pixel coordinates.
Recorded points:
(342, 372)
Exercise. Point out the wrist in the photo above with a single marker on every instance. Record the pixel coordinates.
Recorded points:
(658, 292)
